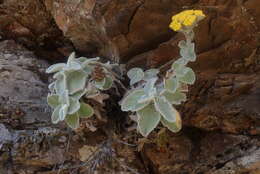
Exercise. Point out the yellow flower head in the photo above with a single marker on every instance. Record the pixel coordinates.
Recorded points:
(186, 19)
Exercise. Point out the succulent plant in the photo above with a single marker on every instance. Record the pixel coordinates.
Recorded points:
(152, 99)
(73, 80)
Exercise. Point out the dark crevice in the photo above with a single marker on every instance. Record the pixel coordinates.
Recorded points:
(132, 16)
(222, 164)
(44, 43)
(195, 135)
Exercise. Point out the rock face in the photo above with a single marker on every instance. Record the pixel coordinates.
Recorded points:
(23, 84)
(221, 118)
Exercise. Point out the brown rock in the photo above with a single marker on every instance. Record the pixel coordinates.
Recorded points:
(221, 118)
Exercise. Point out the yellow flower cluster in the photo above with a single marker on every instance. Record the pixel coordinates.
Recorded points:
(187, 18)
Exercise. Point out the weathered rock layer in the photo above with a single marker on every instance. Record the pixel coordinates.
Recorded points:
(221, 118)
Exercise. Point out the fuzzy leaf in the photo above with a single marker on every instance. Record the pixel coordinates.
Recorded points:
(79, 94)
(189, 76)
(81, 59)
(164, 107)
(173, 126)
(74, 106)
(151, 73)
(88, 69)
(64, 98)
(105, 84)
(188, 52)
(76, 81)
(73, 120)
(175, 98)
(58, 75)
(85, 110)
(71, 57)
(130, 102)
(63, 112)
(100, 84)
(90, 60)
(181, 71)
(179, 64)
(108, 83)
(171, 84)
(146, 99)
(73, 66)
(55, 68)
(148, 119)
(60, 83)
(53, 100)
(182, 44)
(149, 86)
(55, 117)
(150, 91)
(135, 75)
(52, 87)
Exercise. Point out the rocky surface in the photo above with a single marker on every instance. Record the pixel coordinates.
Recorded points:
(221, 118)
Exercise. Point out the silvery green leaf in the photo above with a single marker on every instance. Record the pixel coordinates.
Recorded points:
(188, 52)
(82, 59)
(105, 84)
(148, 119)
(149, 86)
(151, 73)
(130, 102)
(74, 106)
(182, 44)
(79, 94)
(71, 57)
(73, 120)
(164, 107)
(55, 117)
(189, 76)
(190, 34)
(92, 93)
(85, 110)
(64, 97)
(76, 81)
(181, 71)
(53, 100)
(88, 69)
(175, 98)
(171, 84)
(63, 112)
(160, 87)
(52, 87)
(173, 126)
(60, 83)
(135, 75)
(179, 64)
(108, 83)
(100, 84)
(146, 98)
(73, 66)
(58, 75)
(90, 60)
(150, 91)
(55, 68)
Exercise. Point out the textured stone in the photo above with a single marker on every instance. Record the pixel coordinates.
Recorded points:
(221, 118)
(23, 84)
